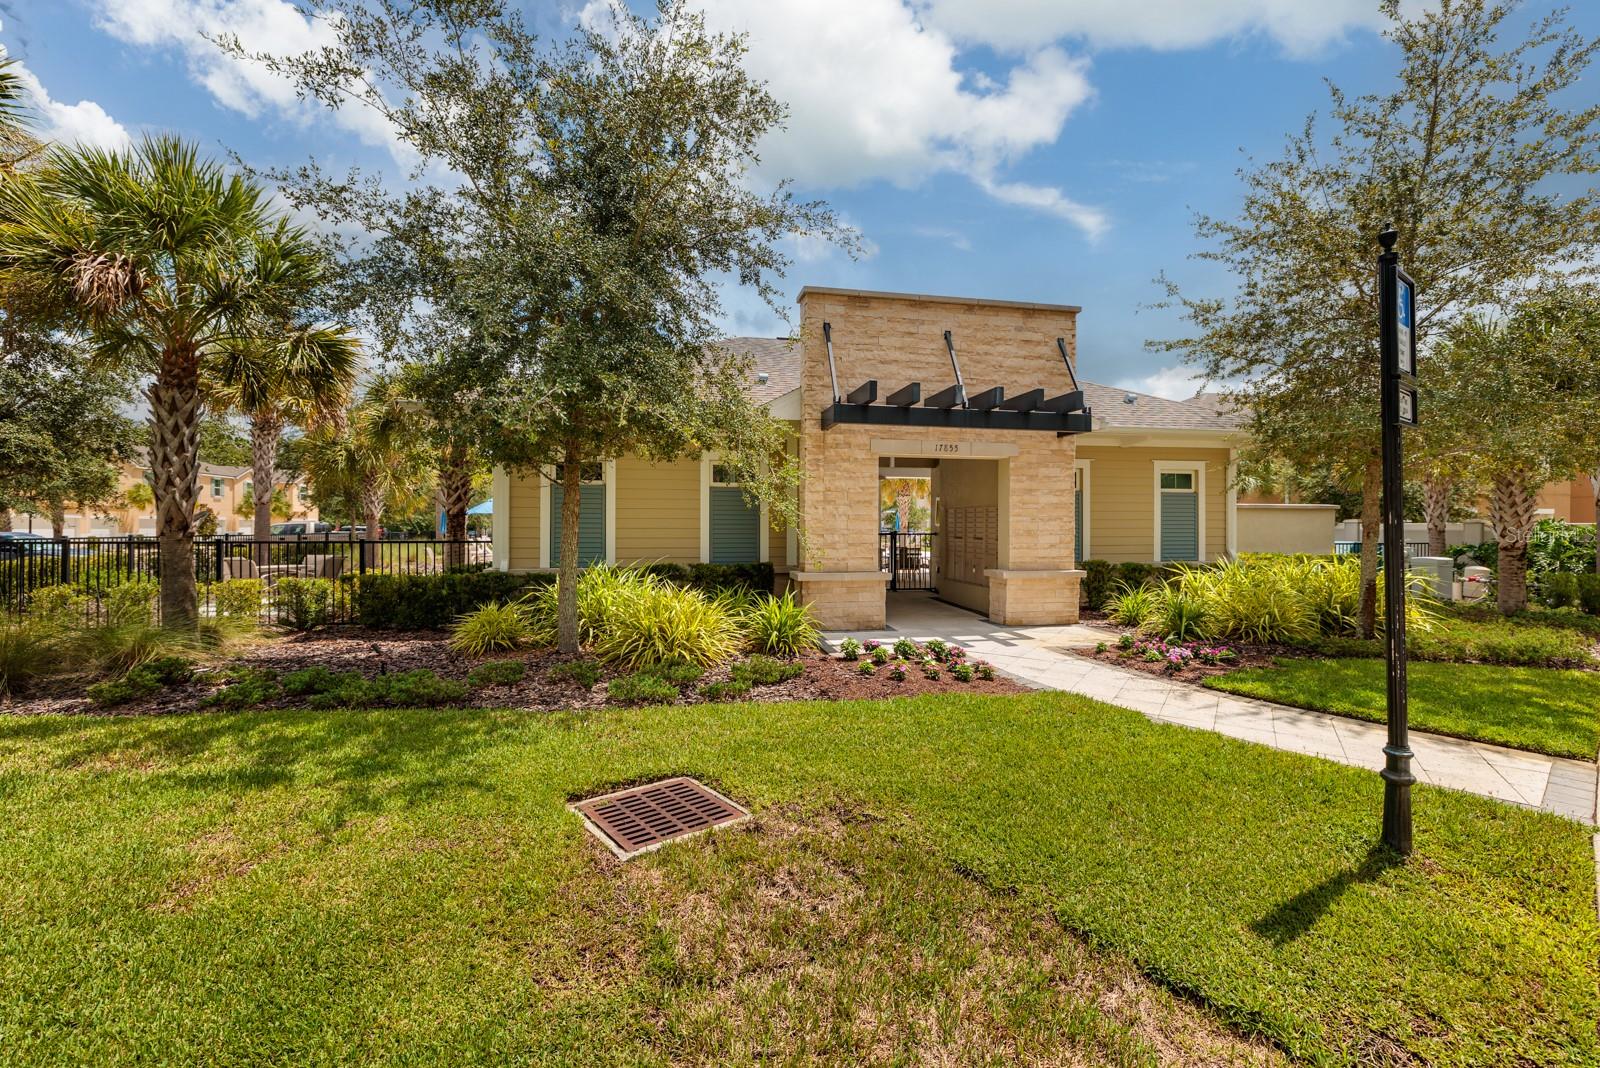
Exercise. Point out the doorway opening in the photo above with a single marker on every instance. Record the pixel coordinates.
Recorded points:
(905, 525)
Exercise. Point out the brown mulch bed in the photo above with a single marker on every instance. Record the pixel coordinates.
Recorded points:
(375, 653)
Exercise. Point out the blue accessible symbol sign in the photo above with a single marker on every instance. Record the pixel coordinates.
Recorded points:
(1405, 304)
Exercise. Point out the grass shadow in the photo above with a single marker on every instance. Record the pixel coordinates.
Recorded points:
(1300, 913)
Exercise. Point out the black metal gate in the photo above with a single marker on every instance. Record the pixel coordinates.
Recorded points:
(907, 555)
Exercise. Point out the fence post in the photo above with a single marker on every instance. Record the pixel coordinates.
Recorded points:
(217, 545)
(62, 547)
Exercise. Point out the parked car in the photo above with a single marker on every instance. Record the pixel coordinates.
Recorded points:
(17, 544)
(290, 530)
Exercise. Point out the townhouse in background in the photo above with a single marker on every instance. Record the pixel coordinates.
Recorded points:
(222, 489)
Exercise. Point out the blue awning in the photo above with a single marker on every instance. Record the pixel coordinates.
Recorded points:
(486, 508)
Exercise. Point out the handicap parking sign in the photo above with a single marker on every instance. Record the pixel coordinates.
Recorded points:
(1405, 313)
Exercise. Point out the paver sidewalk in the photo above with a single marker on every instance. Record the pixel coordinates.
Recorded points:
(1037, 656)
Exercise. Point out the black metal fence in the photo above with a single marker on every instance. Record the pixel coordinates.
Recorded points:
(1413, 548)
(907, 555)
(107, 579)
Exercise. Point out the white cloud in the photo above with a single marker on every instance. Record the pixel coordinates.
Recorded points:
(1175, 383)
(955, 238)
(83, 123)
(873, 94)
(1300, 27)
(271, 26)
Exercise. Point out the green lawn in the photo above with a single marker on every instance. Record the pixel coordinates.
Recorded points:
(408, 887)
(1546, 710)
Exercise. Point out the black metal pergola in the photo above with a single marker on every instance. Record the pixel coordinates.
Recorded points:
(952, 407)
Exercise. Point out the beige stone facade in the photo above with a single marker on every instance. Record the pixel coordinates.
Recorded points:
(1027, 511)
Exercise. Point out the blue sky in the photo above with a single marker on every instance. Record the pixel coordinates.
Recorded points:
(1050, 150)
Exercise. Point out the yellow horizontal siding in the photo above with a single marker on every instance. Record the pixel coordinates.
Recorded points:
(658, 511)
(523, 526)
(1122, 499)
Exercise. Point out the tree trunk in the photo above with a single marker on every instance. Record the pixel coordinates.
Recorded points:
(58, 519)
(1594, 485)
(455, 497)
(265, 428)
(1436, 510)
(174, 467)
(1371, 529)
(567, 571)
(372, 495)
(1513, 505)
(5, 519)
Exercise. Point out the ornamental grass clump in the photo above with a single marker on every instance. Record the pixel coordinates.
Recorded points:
(491, 628)
(636, 619)
(782, 626)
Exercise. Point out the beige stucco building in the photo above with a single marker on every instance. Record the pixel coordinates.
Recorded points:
(1030, 470)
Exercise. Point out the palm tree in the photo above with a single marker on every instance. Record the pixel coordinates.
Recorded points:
(167, 260)
(368, 452)
(290, 372)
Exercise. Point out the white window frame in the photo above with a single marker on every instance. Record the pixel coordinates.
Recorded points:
(1084, 469)
(219, 488)
(1169, 467)
(708, 466)
(608, 478)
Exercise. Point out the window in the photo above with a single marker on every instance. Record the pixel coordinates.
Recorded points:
(1180, 517)
(593, 471)
(216, 487)
(592, 511)
(733, 525)
(1177, 480)
(304, 492)
(722, 475)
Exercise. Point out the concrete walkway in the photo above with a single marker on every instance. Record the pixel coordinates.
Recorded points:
(1037, 657)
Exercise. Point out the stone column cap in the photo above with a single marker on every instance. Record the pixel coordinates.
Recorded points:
(840, 576)
(1013, 573)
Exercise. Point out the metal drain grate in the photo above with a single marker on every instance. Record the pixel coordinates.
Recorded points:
(633, 821)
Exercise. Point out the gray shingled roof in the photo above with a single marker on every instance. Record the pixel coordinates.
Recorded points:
(779, 359)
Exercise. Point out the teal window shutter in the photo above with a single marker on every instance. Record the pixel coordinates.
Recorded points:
(1180, 525)
(591, 524)
(735, 527)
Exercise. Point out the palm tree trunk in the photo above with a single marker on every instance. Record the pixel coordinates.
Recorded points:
(455, 496)
(372, 494)
(1371, 527)
(265, 428)
(1436, 510)
(1512, 510)
(567, 571)
(175, 466)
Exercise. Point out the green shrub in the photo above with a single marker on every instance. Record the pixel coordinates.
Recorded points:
(583, 672)
(866, 667)
(906, 649)
(169, 670)
(131, 603)
(641, 688)
(679, 672)
(316, 679)
(250, 688)
(1097, 582)
(675, 573)
(1589, 594)
(962, 672)
(725, 690)
(490, 628)
(765, 671)
(119, 691)
(1554, 545)
(781, 626)
(116, 650)
(1133, 606)
(58, 608)
(850, 649)
(303, 604)
(1558, 589)
(898, 672)
(237, 598)
(1486, 553)
(986, 672)
(28, 652)
(881, 656)
(420, 688)
(496, 673)
(713, 578)
(432, 602)
(1180, 615)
